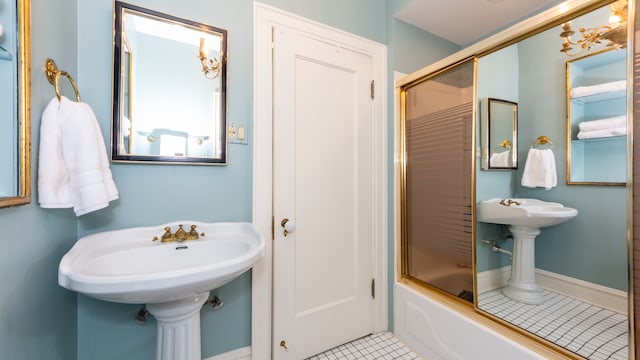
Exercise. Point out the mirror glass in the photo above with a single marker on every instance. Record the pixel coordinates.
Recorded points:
(581, 266)
(169, 89)
(499, 134)
(596, 119)
(15, 56)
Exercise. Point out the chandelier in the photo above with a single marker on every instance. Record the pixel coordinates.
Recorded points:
(614, 33)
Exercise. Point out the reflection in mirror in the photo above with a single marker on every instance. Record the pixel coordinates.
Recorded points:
(15, 169)
(596, 119)
(169, 89)
(581, 266)
(500, 134)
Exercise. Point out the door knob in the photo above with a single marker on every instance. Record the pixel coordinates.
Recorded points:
(288, 225)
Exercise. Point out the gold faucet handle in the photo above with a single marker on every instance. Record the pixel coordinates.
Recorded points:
(193, 233)
(167, 236)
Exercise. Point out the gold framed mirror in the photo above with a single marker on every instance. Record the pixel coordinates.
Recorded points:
(169, 89)
(15, 59)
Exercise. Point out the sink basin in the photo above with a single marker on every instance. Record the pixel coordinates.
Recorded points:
(525, 217)
(127, 266)
(524, 212)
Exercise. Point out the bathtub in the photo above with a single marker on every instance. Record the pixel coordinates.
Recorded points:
(439, 332)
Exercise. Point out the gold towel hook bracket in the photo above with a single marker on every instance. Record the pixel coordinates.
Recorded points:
(543, 140)
(53, 75)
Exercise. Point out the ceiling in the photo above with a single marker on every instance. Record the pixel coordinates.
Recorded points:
(464, 21)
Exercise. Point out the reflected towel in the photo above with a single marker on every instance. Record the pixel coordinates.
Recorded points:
(73, 168)
(608, 123)
(601, 133)
(581, 91)
(502, 159)
(540, 169)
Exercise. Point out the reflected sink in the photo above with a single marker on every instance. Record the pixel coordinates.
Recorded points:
(127, 266)
(524, 212)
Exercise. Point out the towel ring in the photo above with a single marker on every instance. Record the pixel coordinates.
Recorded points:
(542, 140)
(505, 144)
(53, 75)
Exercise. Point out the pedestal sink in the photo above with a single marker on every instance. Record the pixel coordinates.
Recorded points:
(173, 278)
(525, 217)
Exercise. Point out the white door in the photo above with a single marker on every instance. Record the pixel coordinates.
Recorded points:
(323, 181)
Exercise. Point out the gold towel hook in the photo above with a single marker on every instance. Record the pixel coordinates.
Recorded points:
(542, 140)
(53, 75)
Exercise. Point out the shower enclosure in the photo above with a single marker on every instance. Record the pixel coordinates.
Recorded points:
(437, 197)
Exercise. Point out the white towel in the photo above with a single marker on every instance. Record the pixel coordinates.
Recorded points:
(73, 168)
(502, 159)
(540, 169)
(602, 133)
(608, 123)
(581, 91)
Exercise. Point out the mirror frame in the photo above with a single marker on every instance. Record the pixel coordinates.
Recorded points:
(24, 107)
(511, 144)
(118, 52)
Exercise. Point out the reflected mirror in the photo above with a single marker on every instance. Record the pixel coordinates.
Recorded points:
(596, 119)
(169, 89)
(581, 266)
(499, 134)
(15, 169)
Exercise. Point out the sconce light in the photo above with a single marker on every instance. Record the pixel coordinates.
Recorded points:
(615, 32)
(210, 67)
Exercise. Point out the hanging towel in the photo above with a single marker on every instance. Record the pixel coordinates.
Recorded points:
(73, 168)
(540, 169)
(502, 159)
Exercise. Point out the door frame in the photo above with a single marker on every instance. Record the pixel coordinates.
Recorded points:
(264, 19)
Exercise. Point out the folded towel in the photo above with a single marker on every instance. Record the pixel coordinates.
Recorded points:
(608, 123)
(502, 159)
(540, 169)
(602, 133)
(582, 91)
(73, 168)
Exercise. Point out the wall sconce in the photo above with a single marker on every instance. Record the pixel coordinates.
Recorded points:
(615, 32)
(210, 67)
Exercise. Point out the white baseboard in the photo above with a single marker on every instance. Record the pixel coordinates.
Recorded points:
(238, 354)
(595, 294)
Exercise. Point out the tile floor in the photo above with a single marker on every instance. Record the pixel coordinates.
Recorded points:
(586, 329)
(381, 346)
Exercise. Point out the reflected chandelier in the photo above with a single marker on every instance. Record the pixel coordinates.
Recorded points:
(615, 33)
(210, 67)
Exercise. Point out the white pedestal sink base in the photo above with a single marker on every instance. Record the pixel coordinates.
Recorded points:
(179, 328)
(522, 285)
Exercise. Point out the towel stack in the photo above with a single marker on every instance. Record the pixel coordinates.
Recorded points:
(73, 168)
(540, 169)
(614, 126)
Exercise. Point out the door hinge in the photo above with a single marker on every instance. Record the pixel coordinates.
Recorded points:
(273, 230)
(373, 288)
(373, 89)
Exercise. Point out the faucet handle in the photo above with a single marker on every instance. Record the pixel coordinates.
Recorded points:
(193, 233)
(167, 236)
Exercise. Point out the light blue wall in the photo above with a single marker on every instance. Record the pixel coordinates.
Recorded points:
(38, 318)
(498, 77)
(591, 247)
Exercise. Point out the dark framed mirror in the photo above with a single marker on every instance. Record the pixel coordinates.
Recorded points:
(499, 134)
(169, 90)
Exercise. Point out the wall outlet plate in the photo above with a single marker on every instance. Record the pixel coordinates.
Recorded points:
(237, 134)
